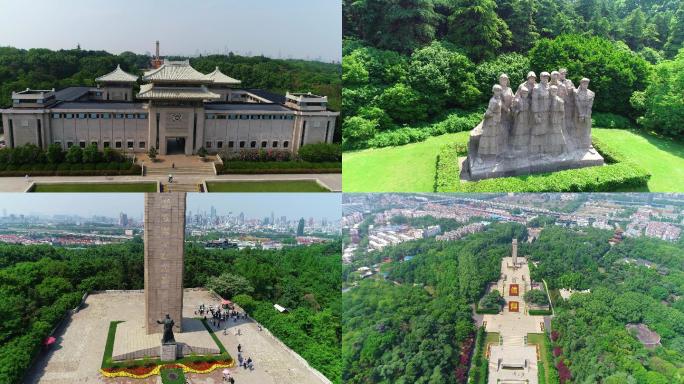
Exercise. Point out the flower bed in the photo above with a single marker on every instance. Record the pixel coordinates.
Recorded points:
(150, 370)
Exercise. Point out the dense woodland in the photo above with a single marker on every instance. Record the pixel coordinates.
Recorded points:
(38, 284)
(415, 68)
(385, 341)
(45, 69)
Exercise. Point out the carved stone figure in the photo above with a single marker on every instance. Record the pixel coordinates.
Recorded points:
(584, 100)
(520, 136)
(555, 140)
(540, 108)
(491, 127)
(544, 127)
(167, 338)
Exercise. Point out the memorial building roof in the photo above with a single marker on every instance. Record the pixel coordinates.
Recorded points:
(220, 78)
(117, 76)
(176, 72)
(151, 91)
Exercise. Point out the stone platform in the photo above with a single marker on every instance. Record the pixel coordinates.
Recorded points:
(507, 167)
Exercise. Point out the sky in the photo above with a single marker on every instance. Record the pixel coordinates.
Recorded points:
(305, 29)
(292, 205)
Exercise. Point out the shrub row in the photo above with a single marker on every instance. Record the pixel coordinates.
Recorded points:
(486, 311)
(610, 120)
(540, 312)
(320, 152)
(620, 173)
(448, 172)
(453, 123)
(480, 366)
(65, 169)
(273, 167)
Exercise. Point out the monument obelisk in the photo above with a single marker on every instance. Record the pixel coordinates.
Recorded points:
(164, 241)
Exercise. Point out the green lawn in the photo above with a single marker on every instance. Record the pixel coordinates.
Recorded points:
(546, 365)
(265, 186)
(408, 168)
(492, 338)
(411, 168)
(96, 187)
(663, 158)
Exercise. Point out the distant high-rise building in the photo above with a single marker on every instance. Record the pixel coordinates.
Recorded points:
(123, 220)
(213, 212)
(241, 218)
(300, 227)
(311, 222)
(272, 218)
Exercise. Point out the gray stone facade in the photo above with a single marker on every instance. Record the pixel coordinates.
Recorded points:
(164, 241)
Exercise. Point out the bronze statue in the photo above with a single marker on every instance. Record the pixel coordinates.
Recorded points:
(168, 330)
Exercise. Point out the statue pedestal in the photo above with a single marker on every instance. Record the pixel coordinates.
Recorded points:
(169, 352)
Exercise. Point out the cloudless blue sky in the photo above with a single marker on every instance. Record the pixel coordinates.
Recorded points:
(292, 205)
(294, 28)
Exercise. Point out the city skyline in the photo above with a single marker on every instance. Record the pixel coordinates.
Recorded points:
(183, 28)
(291, 205)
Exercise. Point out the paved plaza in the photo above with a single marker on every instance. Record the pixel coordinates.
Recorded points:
(77, 355)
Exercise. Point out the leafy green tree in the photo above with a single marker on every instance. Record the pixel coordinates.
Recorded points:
(615, 71)
(357, 129)
(536, 296)
(91, 154)
(152, 153)
(230, 285)
(55, 154)
(477, 29)
(487, 73)
(675, 40)
(74, 154)
(492, 300)
(519, 16)
(661, 102)
(378, 115)
(402, 103)
(442, 76)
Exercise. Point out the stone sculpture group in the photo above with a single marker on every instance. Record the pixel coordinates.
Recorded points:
(542, 127)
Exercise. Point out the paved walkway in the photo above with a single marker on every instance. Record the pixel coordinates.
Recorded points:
(332, 181)
(77, 355)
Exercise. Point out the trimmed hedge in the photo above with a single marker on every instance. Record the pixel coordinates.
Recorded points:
(540, 312)
(275, 167)
(66, 169)
(486, 311)
(320, 152)
(480, 366)
(610, 120)
(619, 173)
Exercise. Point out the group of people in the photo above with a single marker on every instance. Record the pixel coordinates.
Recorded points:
(218, 315)
(548, 118)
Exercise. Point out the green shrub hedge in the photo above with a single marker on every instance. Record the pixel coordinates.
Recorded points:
(66, 169)
(619, 174)
(540, 312)
(320, 152)
(274, 167)
(479, 370)
(610, 120)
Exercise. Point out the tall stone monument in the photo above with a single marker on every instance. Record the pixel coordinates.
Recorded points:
(514, 254)
(164, 241)
(543, 127)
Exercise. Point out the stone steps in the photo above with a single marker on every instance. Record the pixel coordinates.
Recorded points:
(173, 187)
(199, 170)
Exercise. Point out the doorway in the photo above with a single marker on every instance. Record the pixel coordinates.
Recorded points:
(175, 145)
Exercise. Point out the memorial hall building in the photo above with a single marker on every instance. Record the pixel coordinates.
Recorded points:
(177, 110)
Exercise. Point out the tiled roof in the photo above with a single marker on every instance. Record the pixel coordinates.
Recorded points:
(100, 105)
(71, 93)
(219, 78)
(150, 91)
(176, 72)
(117, 76)
(252, 107)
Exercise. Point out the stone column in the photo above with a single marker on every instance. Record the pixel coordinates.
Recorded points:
(164, 241)
(515, 252)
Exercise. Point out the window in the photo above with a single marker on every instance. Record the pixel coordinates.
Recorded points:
(70, 144)
(81, 115)
(242, 144)
(55, 115)
(268, 117)
(129, 144)
(231, 144)
(208, 144)
(105, 144)
(118, 116)
(286, 144)
(106, 115)
(252, 144)
(94, 142)
(58, 143)
(290, 117)
(221, 117)
(69, 115)
(219, 144)
(130, 116)
(142, 115)
(210, 116)
(82, 144)
(232, 117)
(117, 144)
(93, 116)
(263, 144)
(244, 117)
(275, 144)
(141, 145)
(255, 117)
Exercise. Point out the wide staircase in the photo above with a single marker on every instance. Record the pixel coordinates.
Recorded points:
(514, 341)
(200, 168)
